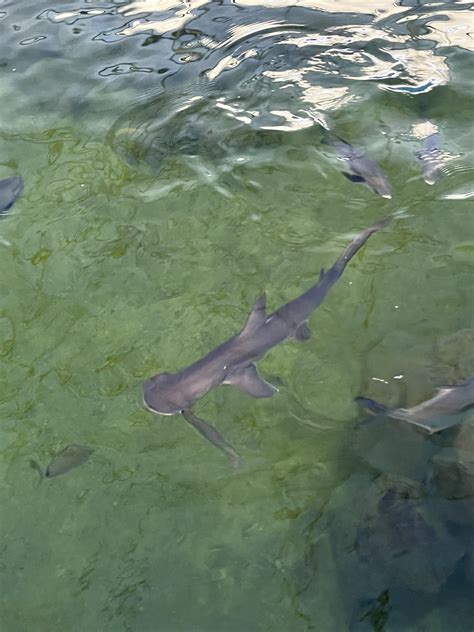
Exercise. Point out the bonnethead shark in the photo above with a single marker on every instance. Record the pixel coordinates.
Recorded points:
(233, 362)
(443, 410)
(10, 190)
(431, 159)
(361, 167)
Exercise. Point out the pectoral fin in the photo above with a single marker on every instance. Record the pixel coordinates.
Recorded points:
(249, 381)
(353, 177)
(302, 333)
(213, 436)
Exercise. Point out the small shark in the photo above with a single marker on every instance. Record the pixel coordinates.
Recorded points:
(438, 413)
(431, 159)
(233, 362)
(10, 190)
(362, 168)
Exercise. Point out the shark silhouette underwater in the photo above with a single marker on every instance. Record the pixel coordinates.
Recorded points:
(10, 189)
(233, 362)
(446, 408)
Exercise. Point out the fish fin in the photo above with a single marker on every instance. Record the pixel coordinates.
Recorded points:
(353, 177)
(213, 436)
(257, 316)
(249, 381)
(302, 332)
(372, 405)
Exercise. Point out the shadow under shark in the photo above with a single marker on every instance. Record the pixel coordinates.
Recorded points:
(233, 362)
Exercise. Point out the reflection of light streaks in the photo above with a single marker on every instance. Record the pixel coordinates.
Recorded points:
(368, 67)
(338, 35)
(425, 70)
(262, 29)
(454, 30)
(156, 6)
(159, 27)
(329, 6)
(291, 121)
(70, 17)
(230, 62)
(322, 98)
(424, 129)
(184, 14)
(466, 195)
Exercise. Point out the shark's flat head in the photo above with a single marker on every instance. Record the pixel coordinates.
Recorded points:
(380, 184)
(162, 395)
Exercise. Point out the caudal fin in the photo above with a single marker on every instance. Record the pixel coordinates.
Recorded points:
(372, 405)
(356, 244)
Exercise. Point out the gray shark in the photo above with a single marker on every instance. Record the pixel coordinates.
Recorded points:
(431, 159)
(362, 168)
(443, 410)
(233, 362)
(10, 190)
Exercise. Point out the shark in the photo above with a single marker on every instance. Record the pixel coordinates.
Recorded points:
(233, 361)
(445, 409)
(431, 159)
(360, 167)
(10, 189)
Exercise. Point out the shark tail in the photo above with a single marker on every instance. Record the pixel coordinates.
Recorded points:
(356, 244)
(372, 405)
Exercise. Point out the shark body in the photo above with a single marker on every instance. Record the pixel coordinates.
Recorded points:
(443, 410)
(431, 159)
(10, 189)
(233, 362)
(361, 168)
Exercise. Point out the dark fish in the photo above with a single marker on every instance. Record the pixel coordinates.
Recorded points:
(435, 414)
(431, 159)
(72, 456)
(362, 168)
(10, 190)
(233, 362)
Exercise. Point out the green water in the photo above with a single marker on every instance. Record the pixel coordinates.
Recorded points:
(116, 265)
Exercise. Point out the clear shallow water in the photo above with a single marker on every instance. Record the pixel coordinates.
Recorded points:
(174, 168)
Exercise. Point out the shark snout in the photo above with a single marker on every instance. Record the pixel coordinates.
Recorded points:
(160, 397)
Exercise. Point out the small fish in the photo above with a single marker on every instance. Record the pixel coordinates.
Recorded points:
(431, 159)
(362, 168)
(233, 362)
(10, 189)
(438, 413)
(72, 456)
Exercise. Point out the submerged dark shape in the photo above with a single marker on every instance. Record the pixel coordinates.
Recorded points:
(362, 168)
(233, 362)
(402, 542)
(435, 414)
(10, 189)
(453, 473)
(72, 456)
(431, 159)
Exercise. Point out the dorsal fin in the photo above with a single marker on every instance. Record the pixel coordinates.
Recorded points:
(257, 316)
